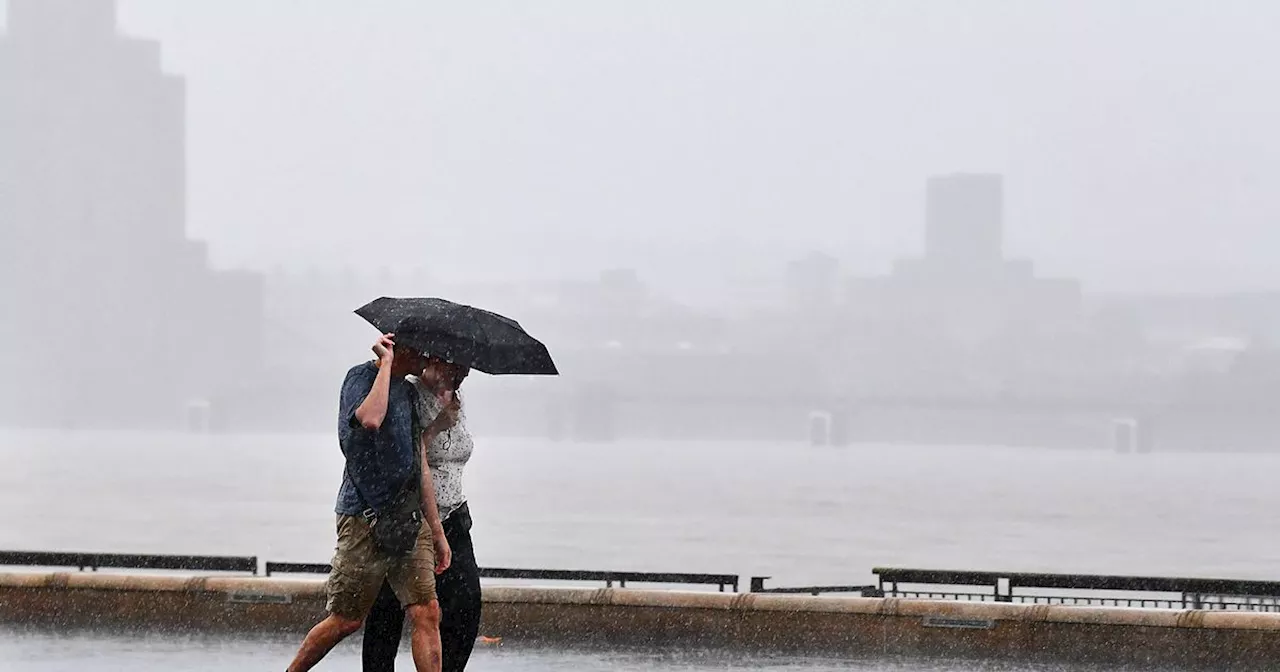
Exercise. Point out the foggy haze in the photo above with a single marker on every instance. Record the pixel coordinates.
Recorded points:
(705, 143)
(979, 284)
(908, 199)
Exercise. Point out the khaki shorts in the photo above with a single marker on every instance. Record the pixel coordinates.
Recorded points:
(359, 569)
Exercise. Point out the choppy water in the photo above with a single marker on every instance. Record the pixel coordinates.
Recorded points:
(797, 513)
(794, 512)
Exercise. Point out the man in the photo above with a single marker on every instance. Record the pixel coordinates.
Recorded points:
(376, 431)
(458, 584)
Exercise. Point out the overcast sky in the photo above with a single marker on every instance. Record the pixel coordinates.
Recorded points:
(501, 140)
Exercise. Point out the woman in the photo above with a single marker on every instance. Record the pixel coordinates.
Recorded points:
(447, 444)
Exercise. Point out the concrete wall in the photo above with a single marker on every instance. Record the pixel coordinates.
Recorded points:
(751, 622)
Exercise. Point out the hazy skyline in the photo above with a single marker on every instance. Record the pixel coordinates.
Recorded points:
(1137, 139)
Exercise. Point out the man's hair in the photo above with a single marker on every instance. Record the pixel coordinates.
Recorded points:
(402, 349)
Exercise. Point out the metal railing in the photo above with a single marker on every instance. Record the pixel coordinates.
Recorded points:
(930, 584)
(757, 586)
(94, 561)
(249, 564)
(609, 578)
(1033, 588)
(721, 581)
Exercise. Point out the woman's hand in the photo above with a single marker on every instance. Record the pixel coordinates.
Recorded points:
(444, 554)
(436, 376)
(450, 409)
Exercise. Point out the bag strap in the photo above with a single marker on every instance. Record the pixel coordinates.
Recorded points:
(415, 476)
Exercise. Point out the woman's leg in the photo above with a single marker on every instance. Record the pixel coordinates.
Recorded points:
(459, 592)
(382, 631)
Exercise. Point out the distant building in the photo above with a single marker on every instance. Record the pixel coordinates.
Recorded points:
(812, 281)
(311, 325)
(964, 221)
(965, 258)
(962, 314)
(112, 316)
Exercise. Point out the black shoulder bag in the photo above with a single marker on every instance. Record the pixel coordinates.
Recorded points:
(395, 528)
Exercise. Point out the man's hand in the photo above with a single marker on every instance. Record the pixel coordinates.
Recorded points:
(444, 554)
(373, 410)
(385, 348)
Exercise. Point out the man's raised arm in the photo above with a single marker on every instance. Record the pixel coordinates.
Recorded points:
(373, 410)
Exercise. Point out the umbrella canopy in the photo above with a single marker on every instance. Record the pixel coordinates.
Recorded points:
(480, 339)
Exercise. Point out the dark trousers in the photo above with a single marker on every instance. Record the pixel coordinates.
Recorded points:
(458, 590)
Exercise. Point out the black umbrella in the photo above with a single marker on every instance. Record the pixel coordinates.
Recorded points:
(480, 339)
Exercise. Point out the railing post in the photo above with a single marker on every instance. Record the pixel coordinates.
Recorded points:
(1005, 596)
(757, 584)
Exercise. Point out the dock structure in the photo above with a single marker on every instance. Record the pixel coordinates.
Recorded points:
(1199, 624)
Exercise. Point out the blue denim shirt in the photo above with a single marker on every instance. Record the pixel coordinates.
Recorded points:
(377, 461)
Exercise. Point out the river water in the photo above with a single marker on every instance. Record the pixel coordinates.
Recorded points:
(791, 511)
(794, 512)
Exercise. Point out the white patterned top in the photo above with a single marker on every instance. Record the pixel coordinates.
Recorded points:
(448, 453)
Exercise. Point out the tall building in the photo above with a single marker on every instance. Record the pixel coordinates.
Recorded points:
(812, 281)
(964, 220)
(963, 314)
(111, 314)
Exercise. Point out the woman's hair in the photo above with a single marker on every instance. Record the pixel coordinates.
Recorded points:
(423, 391)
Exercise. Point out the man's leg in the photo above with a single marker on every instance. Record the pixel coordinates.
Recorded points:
(425, 639)
(321, 640)
(382, 631)
(352, 586)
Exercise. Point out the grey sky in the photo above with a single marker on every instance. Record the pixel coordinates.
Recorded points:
(1139, 139)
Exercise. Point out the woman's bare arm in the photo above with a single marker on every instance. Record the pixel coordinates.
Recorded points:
(444, 555)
